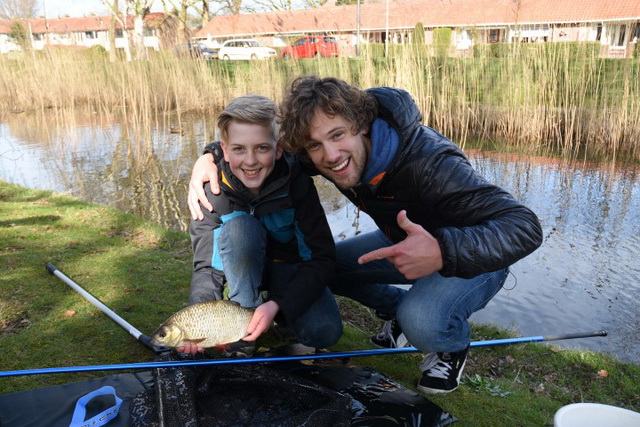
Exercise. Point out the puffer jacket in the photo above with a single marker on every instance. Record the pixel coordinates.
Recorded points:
(479, 226)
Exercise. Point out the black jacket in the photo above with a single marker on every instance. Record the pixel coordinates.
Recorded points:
(479, 227)
(297, 232)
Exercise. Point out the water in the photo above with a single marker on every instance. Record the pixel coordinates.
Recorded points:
(585, 277)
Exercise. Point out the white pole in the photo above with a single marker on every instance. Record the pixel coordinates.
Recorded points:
(386, 39)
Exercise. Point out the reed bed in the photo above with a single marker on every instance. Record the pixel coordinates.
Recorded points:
(551, 98)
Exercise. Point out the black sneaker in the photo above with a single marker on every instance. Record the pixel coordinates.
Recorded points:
(441, 372)
(391, 336)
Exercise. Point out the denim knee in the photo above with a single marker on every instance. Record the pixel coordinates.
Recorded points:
(241, 234)
(320, 334)
(435, 328)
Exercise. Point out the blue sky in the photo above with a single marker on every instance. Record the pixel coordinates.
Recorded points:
(55, 8)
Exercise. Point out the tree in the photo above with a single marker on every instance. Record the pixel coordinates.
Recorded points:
(229, 7)
(180, 10)
(112, 32)
(18, 9)
(140, 9)
(20, 35)
(204, 12)
(315, 3)
(115, 13)
(273, 5)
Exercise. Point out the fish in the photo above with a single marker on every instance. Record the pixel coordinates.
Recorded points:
(207, 324)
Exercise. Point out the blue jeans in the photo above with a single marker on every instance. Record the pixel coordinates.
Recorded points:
(248, 271)
(433, 313)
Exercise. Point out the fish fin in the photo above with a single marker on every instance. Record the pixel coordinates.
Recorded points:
(196, 341)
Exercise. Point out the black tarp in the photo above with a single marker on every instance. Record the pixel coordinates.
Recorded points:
(375, 399)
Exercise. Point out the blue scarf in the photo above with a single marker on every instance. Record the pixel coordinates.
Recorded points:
(384, 145)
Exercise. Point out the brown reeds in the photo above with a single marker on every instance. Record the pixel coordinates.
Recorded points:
(551, 97)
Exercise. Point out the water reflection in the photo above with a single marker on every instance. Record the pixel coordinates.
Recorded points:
(585, 277)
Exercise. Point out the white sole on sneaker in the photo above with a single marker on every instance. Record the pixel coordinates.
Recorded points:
(430, 390)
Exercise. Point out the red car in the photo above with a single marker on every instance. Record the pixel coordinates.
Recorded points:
(311, 46)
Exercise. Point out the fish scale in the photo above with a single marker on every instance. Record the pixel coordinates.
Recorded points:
(209, 324)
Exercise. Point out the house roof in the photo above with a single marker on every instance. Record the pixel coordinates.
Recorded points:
(73, 24)
(432, 13)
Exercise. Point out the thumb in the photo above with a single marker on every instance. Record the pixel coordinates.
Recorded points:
(406, 224)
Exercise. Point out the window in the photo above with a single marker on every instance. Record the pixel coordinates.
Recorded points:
(494, 36)
(119, 33)
(599, 32)
(90, 35)
(149, 32)
(621, 36)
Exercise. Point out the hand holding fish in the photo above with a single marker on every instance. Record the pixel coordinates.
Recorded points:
(416, 256)
(261, 320)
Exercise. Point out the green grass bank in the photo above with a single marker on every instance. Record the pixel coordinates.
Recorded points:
(142, 272)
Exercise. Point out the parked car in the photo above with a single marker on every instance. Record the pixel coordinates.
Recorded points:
(245, 49)
(311, 46)
(208, 53)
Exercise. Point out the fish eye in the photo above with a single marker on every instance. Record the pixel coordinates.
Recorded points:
(162, 334)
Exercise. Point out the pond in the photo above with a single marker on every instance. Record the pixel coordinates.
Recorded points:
(584, 278)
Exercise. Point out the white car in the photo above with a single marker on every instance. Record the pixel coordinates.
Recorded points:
(245, 49)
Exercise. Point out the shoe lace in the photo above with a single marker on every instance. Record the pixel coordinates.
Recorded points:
(432, 365)
(387, 332)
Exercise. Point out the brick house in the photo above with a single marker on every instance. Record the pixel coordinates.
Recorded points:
(85, 32)
(613, 23)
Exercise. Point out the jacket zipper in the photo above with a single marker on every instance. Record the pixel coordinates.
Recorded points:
(253, 207)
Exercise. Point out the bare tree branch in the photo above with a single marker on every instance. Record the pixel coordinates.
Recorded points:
(14, 9)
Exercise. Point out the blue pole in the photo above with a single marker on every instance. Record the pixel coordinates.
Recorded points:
(331, 355)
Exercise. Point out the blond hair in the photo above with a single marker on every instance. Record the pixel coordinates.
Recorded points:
(252, 109)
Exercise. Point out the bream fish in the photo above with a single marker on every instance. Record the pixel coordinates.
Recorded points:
(207, 324)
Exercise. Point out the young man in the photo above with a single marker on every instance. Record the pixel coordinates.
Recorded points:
(442, 227)
(268, 232)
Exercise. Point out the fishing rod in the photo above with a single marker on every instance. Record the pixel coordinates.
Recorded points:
(146, 340)
(314, 356)
(142, 338)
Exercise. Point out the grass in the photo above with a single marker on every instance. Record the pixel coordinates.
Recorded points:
(553, 97)
(142, 272)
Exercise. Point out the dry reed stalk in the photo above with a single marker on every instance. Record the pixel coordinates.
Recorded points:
(550, 97)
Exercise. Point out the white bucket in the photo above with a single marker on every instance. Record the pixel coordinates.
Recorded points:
(595, 415)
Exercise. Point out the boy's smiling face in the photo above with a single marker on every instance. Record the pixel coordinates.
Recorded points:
(251, 151)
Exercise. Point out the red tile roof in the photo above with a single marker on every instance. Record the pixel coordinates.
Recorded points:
(432, 13)
(71, 24)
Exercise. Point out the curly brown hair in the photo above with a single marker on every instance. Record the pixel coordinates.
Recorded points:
(332, 96)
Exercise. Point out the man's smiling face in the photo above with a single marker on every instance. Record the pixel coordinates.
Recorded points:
(338, 153)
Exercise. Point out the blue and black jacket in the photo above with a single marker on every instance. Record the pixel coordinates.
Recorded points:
(297, 231)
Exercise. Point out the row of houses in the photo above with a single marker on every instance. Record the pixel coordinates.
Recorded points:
(89, 31)
(615, 24)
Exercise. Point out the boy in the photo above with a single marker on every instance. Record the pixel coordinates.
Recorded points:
(268, 232)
